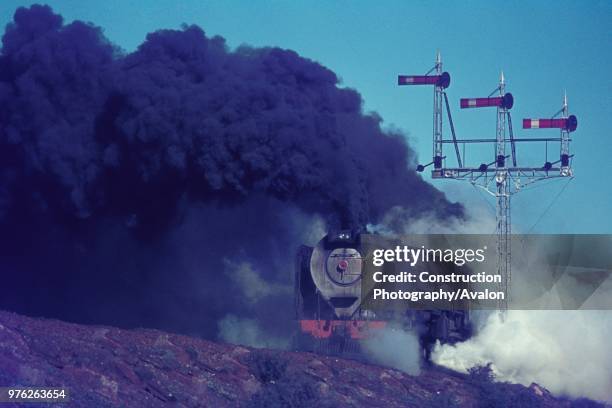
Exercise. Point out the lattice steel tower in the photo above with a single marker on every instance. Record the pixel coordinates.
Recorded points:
(497, 177)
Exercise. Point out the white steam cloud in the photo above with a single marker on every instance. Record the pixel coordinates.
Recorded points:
(399, 220)
(255, 283)
(395, 348)
(566, 351)
(253, 286)
(247, 332)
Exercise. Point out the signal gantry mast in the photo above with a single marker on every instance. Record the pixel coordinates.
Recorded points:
(440, 81)
(496, 177)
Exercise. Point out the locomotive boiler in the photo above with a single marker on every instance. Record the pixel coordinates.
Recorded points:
(330, 312)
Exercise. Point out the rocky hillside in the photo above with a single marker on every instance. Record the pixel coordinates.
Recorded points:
(109, 367)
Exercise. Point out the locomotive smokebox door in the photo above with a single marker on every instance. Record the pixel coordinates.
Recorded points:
(343, 266)
(336, 269)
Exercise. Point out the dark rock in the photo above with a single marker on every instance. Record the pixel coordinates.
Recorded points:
(108, 367)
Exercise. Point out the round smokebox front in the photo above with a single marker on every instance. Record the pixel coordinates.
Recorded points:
(343, 266)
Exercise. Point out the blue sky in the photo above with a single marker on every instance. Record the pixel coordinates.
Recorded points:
(542, 47)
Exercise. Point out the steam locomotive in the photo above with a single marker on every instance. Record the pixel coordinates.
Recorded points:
(330, 315)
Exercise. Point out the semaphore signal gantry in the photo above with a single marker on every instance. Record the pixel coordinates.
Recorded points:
(500, 177)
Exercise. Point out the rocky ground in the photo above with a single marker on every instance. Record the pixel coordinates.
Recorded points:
(109, 367)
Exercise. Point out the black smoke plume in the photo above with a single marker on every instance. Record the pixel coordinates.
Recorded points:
(155, 188)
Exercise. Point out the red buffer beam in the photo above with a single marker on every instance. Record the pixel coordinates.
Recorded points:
(570, 123)
(506, 101)
(442, 80)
